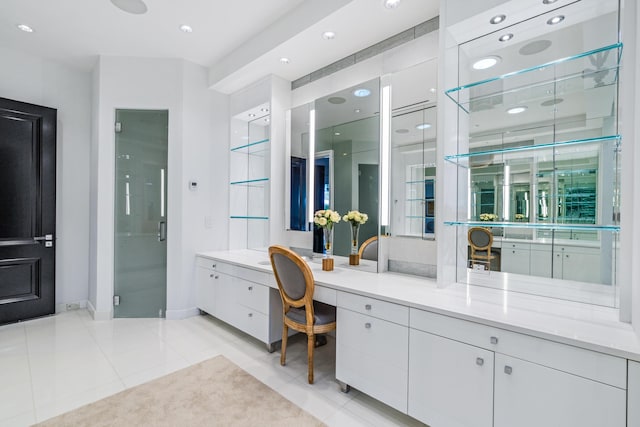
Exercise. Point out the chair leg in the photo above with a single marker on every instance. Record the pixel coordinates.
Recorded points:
(311, 344)
(283, 352)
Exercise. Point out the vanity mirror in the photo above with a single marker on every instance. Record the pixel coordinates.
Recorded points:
(343, 131)
(537, 153)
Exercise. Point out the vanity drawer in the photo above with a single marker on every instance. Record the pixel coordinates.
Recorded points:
(250, 274)
(252, 295)
(567, 358)
(373, 307)
(516, 245)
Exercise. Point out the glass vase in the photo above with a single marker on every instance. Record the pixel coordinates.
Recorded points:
(355, 228)
(328, 241)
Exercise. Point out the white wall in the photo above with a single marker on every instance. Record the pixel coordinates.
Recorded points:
(179, 87)
(34, 80)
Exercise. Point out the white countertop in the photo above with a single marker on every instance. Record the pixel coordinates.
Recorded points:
(582, 325)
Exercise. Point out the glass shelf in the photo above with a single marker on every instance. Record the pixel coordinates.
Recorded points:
(249, 182)
(594, 69)
(534, 225)
(555, 149)
(252, 147)
(249, 217)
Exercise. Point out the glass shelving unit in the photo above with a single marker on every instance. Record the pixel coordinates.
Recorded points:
(249, 178)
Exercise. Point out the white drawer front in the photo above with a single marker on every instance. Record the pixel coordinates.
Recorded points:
(373, 307)
(372, 355)
(325, 295)
(206, 263)
(261, 277)
(585, 363)
(253, 323)
(251, 295)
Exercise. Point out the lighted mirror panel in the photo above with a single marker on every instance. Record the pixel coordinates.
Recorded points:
(538, 156)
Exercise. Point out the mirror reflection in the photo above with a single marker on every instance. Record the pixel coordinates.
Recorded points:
(345, 166)
(541, 162)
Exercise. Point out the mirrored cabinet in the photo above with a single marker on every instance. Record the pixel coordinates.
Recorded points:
(249, 179)
(538, 155)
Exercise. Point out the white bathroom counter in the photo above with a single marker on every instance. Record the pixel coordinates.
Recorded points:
(581, 325)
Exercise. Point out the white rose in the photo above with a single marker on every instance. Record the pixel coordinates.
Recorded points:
(322, 222)
(335, 217)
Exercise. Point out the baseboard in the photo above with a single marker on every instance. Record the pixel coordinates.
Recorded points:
(69, 306)
(182, 314)
(98, 315)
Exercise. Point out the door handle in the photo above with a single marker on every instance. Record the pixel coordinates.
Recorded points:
(162, 231)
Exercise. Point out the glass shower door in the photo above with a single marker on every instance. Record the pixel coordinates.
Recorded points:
(140, 279)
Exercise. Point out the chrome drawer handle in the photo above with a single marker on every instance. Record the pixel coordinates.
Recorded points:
(479, 361)
(211, 275)
(367, 325)
(494, 340)
(213, 265)
(367, 307)
(250, 288)
(508, 370)
(250, 314)
(215, 277)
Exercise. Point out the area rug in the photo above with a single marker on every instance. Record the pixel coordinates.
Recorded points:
(212, 393)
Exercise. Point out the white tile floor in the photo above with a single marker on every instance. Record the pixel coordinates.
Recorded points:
(51, 365)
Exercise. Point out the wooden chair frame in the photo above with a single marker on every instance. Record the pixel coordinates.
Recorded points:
(306, 301)
(365, 244)
(474, 248)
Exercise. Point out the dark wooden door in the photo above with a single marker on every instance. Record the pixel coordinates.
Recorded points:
(27, 210)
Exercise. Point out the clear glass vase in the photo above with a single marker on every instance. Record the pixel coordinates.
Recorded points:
(355, 229)
(328, 241)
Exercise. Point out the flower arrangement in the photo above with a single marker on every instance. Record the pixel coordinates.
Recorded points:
(355, 217)
(326, 218)
(488, 217)
(519, 217)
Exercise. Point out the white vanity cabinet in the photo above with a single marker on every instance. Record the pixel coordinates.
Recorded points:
(240, 297)
(467, 374)
(531, 395)
(450, 383)
(514, 258)
(372, 342)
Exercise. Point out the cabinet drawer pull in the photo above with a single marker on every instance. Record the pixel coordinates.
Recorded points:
(367, 307)
(249, 288)
(216, 276)
(479, 361)
(367, 325)
(494, 340)
(250, 314)
(211, 275)
(508, 370)
(213, 265)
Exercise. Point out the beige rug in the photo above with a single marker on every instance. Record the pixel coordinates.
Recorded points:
(212, 393)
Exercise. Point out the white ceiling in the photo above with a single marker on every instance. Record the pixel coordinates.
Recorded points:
(233, 33)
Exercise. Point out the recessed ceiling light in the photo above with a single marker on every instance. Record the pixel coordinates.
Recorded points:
(487, 62)
(391, 4)
(549, 1)
(25, 28)
(497, 19)
(402, 130)
(266, 119)
(552, 102)
(534, 47)
(136, 7)
(328, 35)
(357, 110)
(264, 110)
(186, 28)
(423, 126)
(336, 133)
(336, 100)
(432, 90)
(251, 115)
(284, 60)
(556, 20)
(517, 110)
(505, 37)
(361, 93)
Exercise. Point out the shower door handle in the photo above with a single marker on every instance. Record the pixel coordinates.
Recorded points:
(162, 231)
